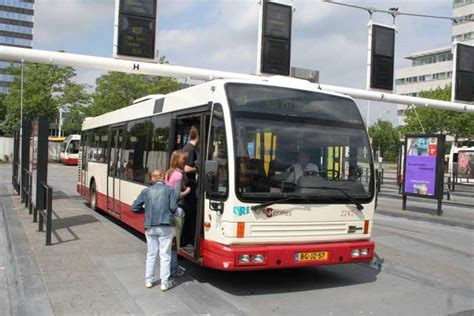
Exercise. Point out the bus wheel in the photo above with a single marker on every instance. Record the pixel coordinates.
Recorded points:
(93, 196)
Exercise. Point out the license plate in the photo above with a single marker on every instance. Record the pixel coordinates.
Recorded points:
(311, 256)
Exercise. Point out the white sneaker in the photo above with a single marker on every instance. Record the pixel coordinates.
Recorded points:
(166, 286)
(149, 285)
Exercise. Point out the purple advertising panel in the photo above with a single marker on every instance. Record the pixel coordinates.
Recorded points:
(420, 166)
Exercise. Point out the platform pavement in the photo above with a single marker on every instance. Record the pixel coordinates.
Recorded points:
(96, 267)
(459, 211)
(92, 267)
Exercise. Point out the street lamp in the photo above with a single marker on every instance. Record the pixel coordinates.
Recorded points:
(60, 123)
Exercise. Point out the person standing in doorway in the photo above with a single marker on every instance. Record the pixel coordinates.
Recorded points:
(159, 204)
(190, 200)
(174, 179)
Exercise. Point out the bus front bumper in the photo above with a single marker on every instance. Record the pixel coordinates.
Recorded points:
(260, 257)
(70, 161)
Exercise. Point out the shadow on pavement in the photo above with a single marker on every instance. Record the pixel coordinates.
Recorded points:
(243, 283)
(66, 223)
(60, 223)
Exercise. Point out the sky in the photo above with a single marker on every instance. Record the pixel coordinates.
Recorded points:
(222, 35)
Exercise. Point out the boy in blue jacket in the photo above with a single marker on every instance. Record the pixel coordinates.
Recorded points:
(159, 203)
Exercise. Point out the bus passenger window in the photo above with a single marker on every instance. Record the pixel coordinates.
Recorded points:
(137, 142)
(157, 154)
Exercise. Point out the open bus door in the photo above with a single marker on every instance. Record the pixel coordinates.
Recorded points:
(182, 125)
(113, 170)
(84, 158)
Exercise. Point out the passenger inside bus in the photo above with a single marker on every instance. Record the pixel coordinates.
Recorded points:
(248, 167)
(191, 200)
(129, 169)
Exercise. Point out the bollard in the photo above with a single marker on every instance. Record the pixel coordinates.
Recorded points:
(46, 214)
(30, 182)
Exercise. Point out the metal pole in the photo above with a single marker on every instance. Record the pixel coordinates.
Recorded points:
(369, 65)
(21, 117)
(259, 34)
(49, 211)
(60, 120)
(368, 114)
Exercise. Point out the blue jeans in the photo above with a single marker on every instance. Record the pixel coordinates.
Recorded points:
(158, 238)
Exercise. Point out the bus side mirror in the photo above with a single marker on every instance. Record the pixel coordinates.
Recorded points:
(211, 177)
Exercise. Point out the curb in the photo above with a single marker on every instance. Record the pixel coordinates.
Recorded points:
(445, 201)
(436, 220)
(24, 300)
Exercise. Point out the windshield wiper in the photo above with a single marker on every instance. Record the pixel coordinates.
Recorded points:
(286, 199)
(359, 206)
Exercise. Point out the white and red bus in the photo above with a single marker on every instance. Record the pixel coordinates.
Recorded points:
(70, 150)
(255, 210)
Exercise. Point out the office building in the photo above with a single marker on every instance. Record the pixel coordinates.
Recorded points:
(434, 68)
(16, 29)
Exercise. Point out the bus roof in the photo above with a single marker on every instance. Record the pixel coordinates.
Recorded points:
(200, 94)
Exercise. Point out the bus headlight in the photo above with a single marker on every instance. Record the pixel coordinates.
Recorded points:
(364, 252)
(258, 258)
(244, 258)
(355, 253)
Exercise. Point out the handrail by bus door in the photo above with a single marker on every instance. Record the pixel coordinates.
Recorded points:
(200, 207)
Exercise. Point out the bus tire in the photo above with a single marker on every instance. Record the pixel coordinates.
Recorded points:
(93, 195)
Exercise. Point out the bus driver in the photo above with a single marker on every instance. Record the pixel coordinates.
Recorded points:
(303, 167)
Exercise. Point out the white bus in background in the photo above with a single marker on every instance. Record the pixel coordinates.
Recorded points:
(70, 150)
(253, 211)
(461, 162)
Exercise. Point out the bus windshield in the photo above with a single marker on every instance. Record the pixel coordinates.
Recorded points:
(73, 147)
(291, 142)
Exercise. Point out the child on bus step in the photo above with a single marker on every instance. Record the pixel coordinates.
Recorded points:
(160, 207)
(174, 179)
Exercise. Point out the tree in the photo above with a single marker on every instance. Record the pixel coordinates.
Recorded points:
(387, 138)
(116, 90)
(3, 112)
(46, 88)
(72, 123)
(456, 124)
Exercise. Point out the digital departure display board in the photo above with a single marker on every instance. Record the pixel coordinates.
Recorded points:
(277, 20)
(137, 28)
(276, 38)
(146, 8)
(136, 37)
(463, 87)
(382, 57)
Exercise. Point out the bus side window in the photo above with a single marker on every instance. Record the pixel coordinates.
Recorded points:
(157, 153)
(218, 151)
(137, 142)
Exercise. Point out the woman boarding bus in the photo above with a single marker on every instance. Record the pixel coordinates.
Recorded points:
(253, 211)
